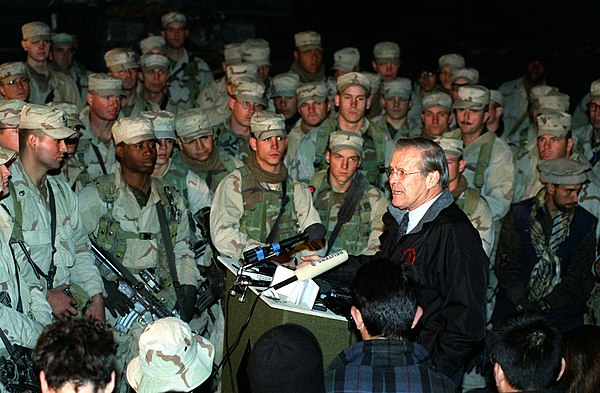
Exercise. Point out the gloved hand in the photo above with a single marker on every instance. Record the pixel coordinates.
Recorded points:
(117, 303)
(199, 248)
(186, 301)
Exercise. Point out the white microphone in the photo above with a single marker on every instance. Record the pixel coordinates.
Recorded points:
(315, 268)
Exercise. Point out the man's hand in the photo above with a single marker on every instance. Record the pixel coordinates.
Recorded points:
(63, 305)
(96, 308)
(306, 259)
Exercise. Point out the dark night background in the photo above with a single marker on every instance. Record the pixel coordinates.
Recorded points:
(495, 37)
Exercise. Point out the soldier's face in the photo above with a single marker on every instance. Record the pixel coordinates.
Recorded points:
(175, 34)
(471, 121)
(155, 80)
(242, 111)
(199, 149)
(445, 76)
(564, 196)
(396, 107)
(37, 51)
(436, 120)
(269, 152)
(164, 149)
(408, 184)
(138, 158)
(594, 111)
(4, 176)
(456, 166)
(16, 89)
(427, 80)
(104, 107)
(9, 138)
(551, 147)
(309, 60)
(129, 77)
(342, 165)
(454, 86)
(62, 55)
(353, 102)
(263, 72)
(313, 112)
(287, 106)
(49, 152)
(388, 70)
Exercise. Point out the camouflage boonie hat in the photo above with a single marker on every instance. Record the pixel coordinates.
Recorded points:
(340, 140)
(51, 121)
(35, 31)
(192, 124)
(315, 91)
(173, 16)
(496, 97)
(105, 85)
(265, 124)
(306, 40)
(440, 99)
(171, 358)
(10, 113)
(539, 91)
(151, 62)
(242, 70)
(386, 52)
(452, 147)
(72, 112)
(595, 90)
(6, 155)
(554, 102)
(257, 51)
(468, 73)
(285, 84)
(12, 70)
(453, 60)
(153, 44)
(232, 53)
(563, 171)
(472, 97)
(247, 90)
(375, 80)
(346, 59)
(399, 87)
(163, 123)
(63, 38)
(353, 79)
(132, 130)
(120, 59)
(557, 124)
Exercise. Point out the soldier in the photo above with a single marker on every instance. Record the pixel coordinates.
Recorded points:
(198, 150)
(154, 44)
(313, 107)
(45, 84)
(350, 208)
(436, 115)
(308, 57)
(259, 203)
(150, 230)
(396, 102)
(587, 138)
(257, 51)
(96, 147)
(386, 63)
(122, 63)
(48, 213)
(216, 93)
(154, 75)
(447, 64)
(284, 99)
(62, 53)
(495, 123)
(463, 77)
(10, 112)
(188, 74)
(426, 84)
(345, 60)
(14, 81)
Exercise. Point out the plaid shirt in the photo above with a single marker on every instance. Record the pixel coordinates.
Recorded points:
(385, 366)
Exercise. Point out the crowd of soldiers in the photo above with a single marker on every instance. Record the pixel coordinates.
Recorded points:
(153, 161)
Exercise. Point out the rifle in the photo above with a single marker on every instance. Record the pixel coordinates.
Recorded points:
(147, 307)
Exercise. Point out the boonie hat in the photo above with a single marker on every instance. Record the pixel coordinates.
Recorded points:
(132, 130)
(51, 121)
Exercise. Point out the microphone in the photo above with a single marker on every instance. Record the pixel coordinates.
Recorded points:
(315, 268)
(315, 231)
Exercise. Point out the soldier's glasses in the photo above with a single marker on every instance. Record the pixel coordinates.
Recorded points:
(401, 173)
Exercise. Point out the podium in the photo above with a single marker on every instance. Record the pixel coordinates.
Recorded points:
(330, 329)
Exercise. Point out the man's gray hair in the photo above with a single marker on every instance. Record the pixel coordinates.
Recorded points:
(432, 155)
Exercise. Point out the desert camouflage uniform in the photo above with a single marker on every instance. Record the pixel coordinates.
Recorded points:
(57, 86)
(214, 95)
(86, 153)
(188, 76)
(403, 132)
(228, 164)
(300, 154)
(139, 105)
(74, 173)
(79, 74)
(515, 105)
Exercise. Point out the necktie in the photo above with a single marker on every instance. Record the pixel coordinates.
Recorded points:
(403, 225)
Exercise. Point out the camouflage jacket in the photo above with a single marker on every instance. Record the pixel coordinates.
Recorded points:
(188, 76)
(86, 151)
(57, 86)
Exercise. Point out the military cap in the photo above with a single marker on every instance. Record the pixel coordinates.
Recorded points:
(554, 102)
(306, 40)
(10, 113)
(192, 124)
(265, 124)
(132, 130)
(153, 44)
(346, 59)
(453, 60)
(353, 79)
(399, 87)
(563, 170)
(257, 51)
(339, 140)
(497, 97)
(105, 85)
(163, 123)
(386, 52)
(285, 84)
(151, 61)
(315, 91)
(595, 90)
(554, 123)
(452, 147)
(247, 90)
(539, 91)
(6, 155)
(120, 59)
(232, 53)
(72, 112)
(35, 31)
(63, 38)
(173, 16)
(51, 121)
(470, 74)
(375, 79)
(171, 358)
(440, 99)
(242, 70)
(472, 97)
(12, 70)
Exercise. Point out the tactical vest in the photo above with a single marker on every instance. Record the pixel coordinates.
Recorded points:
(262, 206)
(177, 177)
(230, 143)
(483, 161)
(213, 179)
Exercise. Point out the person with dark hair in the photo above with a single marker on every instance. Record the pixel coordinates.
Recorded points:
(581, 351)
(385, 309)
(76, 355)
(525, 350)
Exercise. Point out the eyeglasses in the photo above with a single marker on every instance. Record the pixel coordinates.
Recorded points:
(254, 105)
(20, 81)
(425, 74)
(456, 86)
(593, 107)
(401, 173)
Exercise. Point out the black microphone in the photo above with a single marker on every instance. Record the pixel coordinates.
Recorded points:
(315, 231)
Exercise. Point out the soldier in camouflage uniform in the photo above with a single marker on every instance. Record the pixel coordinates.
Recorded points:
(396, 102)
(308, 57)
(154, 44)
(215, 94)
(64, 47)
(259, 203)
(130, 201)
(257, 51)
(347, 204)
(587, 138)
(436, 115)
(45, 84)
(188, 74)
(283, 97)
(48, 213)
(198, 151)
(10, 112)
(154, 75)
(386, 62)
(495, 123)
(463, 77)
(122, 63)
(96, 147)
(447, 64)
(14, 81)
(233, 133)
(425, 85)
